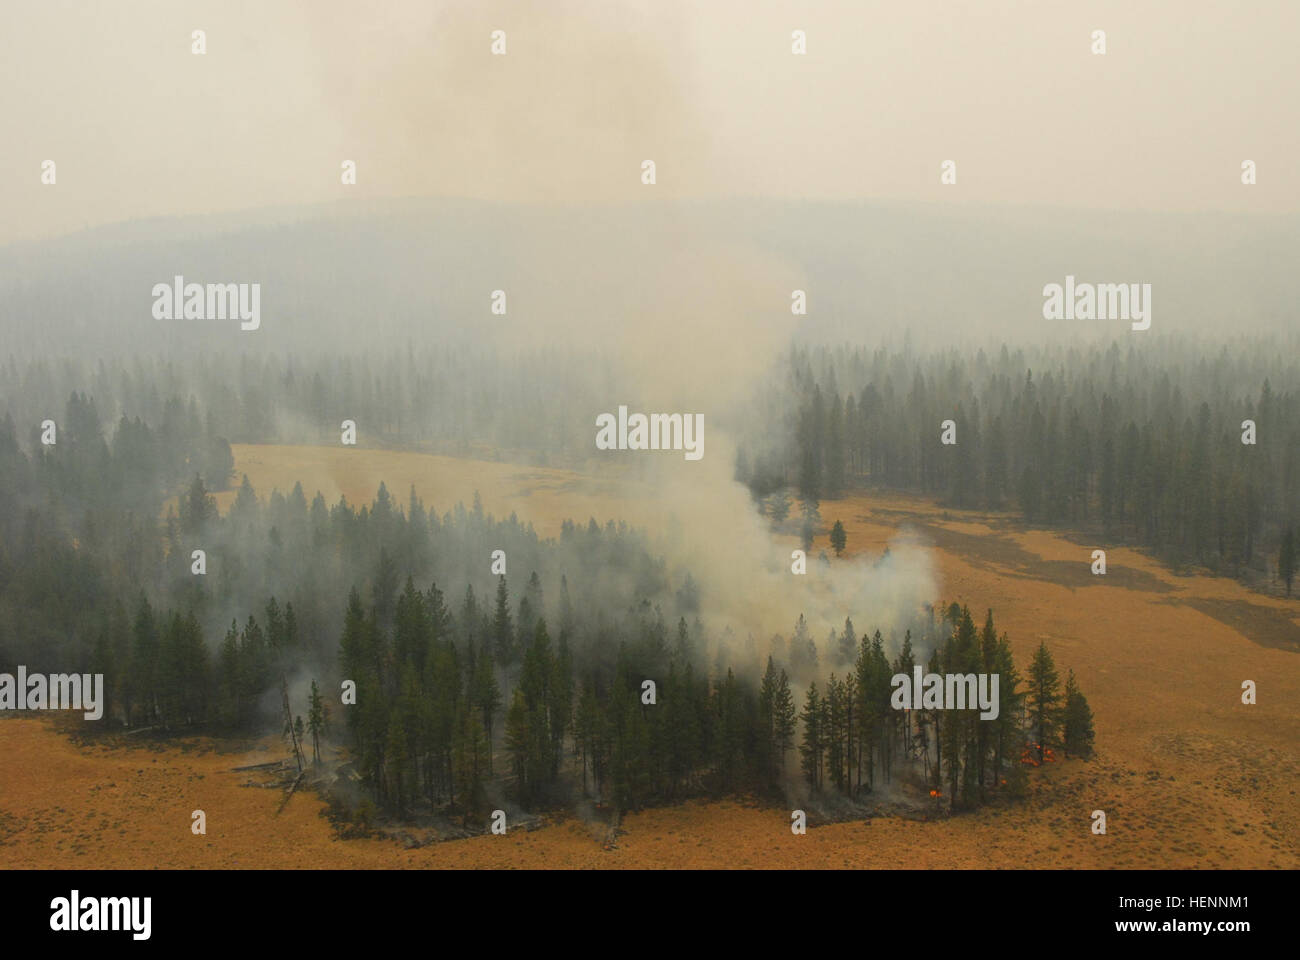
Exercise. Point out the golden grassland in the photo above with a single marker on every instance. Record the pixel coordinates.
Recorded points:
(1188, 776)
(544, 496)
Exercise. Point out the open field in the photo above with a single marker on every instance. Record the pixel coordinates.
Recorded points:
(543, 495)
(1187, 775)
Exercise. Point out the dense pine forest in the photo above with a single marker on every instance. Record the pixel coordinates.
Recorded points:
(460, 401)
(1141, 446)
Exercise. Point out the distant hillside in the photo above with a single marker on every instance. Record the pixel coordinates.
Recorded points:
(347, 275)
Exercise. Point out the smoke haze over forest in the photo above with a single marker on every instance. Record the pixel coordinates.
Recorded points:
(390, 499)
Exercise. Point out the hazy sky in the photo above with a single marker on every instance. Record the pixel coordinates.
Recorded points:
(139, 126)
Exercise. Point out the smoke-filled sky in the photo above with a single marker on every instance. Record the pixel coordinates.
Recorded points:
(140, 127)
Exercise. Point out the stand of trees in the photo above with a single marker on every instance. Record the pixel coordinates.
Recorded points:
(1137, 446)
(853, 738)
(430, 699)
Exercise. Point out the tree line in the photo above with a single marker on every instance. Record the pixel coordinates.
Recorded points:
(1138, 445)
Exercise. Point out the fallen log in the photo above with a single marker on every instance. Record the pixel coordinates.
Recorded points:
(285, 801)
(261, 766)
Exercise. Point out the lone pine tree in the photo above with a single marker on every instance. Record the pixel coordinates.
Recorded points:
(1078, 734)
(839, 539)
(316, 720)
(812, 747)
(1044, 698)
